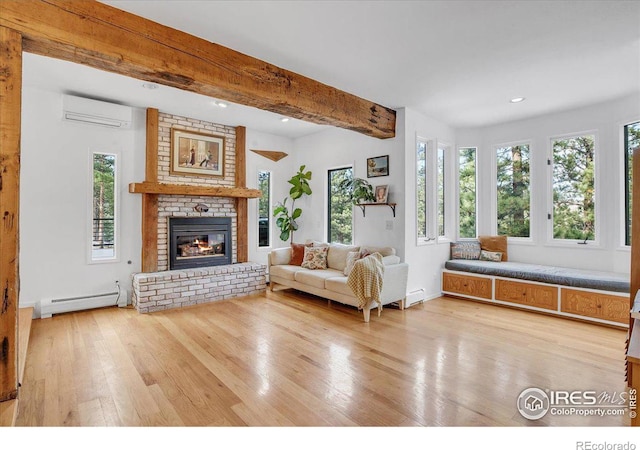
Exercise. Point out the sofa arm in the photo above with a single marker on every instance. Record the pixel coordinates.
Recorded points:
(279, 256)
(394, 284)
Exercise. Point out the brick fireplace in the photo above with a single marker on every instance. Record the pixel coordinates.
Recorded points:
(162, 287)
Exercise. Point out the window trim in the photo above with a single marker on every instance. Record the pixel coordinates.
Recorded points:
(430, 187)
(572, 243)
(116, 208)
(270, 209)
(622, 245)
(447, 149)
(494, 190)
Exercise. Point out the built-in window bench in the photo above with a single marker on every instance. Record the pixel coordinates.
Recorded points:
(601, 297)
(158, 291)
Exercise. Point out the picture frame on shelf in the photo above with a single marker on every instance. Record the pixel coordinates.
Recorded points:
(381, 193)
(197, 154)
(378, 166)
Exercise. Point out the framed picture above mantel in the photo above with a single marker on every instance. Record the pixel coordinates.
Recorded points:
(196, 154)
(378, 166)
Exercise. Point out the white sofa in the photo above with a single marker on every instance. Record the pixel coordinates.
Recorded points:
(331, 283)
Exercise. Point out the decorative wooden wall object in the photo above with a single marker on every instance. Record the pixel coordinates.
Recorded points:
(271, 154)
(241, 203)
(149, 261)
(10, 113)
(104, 37)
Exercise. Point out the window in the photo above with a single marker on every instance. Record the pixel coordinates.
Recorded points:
(467, 192)
(513, 194)
(631, 143)
(103, 245)
(340, 214)
(573, 180)
(264, 209)
(440, 189)
(421, 189)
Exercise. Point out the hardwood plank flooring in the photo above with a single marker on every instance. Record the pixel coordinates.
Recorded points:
(286, 358)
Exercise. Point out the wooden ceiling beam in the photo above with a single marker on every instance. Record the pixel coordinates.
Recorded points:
(106, 38)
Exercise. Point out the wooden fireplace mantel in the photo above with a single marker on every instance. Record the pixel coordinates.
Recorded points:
(183, 189)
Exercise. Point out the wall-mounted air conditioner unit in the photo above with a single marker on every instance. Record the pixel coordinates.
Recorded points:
(94, 112)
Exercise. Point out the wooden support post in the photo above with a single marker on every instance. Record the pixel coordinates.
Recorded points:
(149, 262)
(241, 203)
(10, 113)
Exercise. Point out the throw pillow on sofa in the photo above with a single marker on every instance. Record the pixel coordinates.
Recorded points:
(315, 258)
(297, 253)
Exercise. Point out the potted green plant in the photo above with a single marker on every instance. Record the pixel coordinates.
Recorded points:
(285, 219)
(359, 190)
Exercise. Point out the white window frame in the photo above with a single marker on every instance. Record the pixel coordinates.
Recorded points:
(623, 175)
(326, 202)
(494, 190)
(116, 210)
(431, 221)
(551, 241)
(457, 191)
(270, 209)
(448, 187)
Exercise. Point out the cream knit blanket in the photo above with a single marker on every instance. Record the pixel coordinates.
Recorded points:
(365, 280)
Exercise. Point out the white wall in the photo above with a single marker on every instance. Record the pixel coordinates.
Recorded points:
(281, 171)
(55, 191)
(425, 260)
(606, 120)
(335, 148)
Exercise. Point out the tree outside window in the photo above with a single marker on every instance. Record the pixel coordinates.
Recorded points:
(104, 204)
(467, 192)
(513, 194)
(340, 214)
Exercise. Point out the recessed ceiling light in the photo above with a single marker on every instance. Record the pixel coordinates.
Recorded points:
(222, 104)
(284, 119)
(517, 99)
(150, 86)
(219, 103)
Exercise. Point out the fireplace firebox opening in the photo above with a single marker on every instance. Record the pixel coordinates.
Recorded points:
(199, 242)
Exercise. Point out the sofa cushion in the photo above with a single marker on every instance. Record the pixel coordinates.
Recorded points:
(337, 255)
(315, 278)
(352, 257)
(390, 260)
(297, 253)
(384, 251)
(315, 258)
(339, 285)
(286, 271)
(280, 256)
(494, 244)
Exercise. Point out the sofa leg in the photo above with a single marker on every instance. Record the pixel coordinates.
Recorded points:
(271, 283)
(367, 314)
(402, 303)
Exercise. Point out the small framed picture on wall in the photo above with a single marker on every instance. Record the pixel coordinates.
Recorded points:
(378, 166)
(382, 193)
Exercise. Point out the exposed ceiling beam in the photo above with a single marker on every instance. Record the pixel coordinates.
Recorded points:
(104, 37)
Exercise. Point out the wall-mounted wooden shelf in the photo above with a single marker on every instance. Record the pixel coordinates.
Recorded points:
(183, 189)
(364, 205)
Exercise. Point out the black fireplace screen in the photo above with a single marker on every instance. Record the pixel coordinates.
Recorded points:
(199, 242)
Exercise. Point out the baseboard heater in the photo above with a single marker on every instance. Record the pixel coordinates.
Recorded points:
(49, 307)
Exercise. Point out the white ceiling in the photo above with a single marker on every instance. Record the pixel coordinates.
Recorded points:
(456, 61)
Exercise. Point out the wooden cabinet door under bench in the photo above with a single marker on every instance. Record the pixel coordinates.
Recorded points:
(603, 307)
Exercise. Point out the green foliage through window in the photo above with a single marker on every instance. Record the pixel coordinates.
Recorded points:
(513, 178)
(631, 143)
(421, 188)
(340, 212)
(441, 189)
(574, 188)
(467, 180)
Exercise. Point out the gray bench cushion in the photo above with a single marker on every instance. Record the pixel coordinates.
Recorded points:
(590, 279)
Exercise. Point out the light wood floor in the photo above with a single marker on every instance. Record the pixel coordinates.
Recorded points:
(287, 358)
